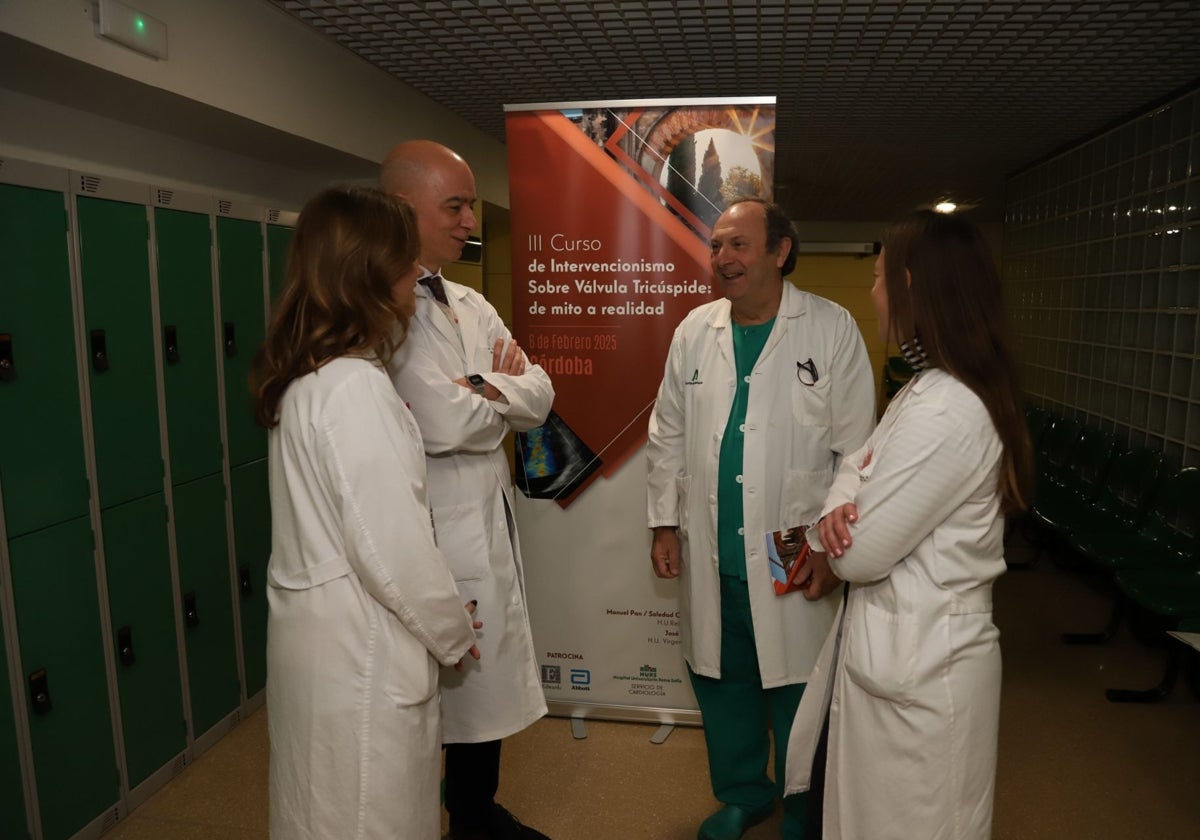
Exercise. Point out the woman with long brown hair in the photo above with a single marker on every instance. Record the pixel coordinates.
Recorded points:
(362, 605)
(910, 674)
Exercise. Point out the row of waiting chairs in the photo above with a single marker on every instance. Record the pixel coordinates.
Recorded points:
(1123, 515)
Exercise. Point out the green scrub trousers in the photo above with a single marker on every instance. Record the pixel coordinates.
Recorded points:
(737, 710)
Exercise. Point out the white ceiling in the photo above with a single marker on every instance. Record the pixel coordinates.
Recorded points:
(883, 105)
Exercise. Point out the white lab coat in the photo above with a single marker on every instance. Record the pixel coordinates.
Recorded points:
(470, 490)
(362, 608)
(914, 698)
(794, 435)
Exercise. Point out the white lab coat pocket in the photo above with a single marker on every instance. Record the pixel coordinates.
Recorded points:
(880, 652)
(409, 673)
(811, 403)
(461, 538)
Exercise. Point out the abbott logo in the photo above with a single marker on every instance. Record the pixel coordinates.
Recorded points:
(581, 677)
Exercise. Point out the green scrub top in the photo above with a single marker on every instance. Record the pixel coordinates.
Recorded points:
(748, 343)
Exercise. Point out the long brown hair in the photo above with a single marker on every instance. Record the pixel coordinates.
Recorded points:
(955, 307)
(350, 246)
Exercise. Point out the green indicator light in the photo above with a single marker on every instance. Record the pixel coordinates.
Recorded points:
(139, 24)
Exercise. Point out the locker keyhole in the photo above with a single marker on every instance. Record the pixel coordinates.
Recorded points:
(244, 581)
(8, 370)
(190, 616)
(230, 339)
(171, 344)
(125, 646)
(99, 351)
(39, 692)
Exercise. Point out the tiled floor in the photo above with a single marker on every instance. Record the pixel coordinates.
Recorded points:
(1072, 766)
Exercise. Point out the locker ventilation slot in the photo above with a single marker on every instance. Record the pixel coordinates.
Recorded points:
(178, 765)
(110, 819)
(224, 207)
(272, 215)
(89, 183)
(165, 197)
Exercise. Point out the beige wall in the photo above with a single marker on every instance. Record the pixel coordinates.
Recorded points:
(497, 260)
(847, 280)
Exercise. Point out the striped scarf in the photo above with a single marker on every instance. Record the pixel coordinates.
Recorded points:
(914, 354)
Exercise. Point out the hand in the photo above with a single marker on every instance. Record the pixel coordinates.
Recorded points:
(664, 552)
(511, 362)
(834, 528)
(821, 579)
(477, 625)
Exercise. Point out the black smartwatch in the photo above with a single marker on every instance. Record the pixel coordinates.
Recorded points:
(477, 382)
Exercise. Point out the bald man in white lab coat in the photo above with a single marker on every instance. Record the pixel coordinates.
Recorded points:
(469, 385)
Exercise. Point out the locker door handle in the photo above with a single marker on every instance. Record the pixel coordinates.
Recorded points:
(171, 344)
(39, 692)
(99, 351)
(125, 646)
(244, 581)
(8, 371)
(230, 340)
(190, 617)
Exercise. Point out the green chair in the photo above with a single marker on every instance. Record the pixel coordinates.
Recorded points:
(1077, 484)
(1054, 447)
(1037, 419)
(1108, 532)
(1156, 570)
(1119, 503)
(1162, 583)
(1165, 538)
(1170, 598)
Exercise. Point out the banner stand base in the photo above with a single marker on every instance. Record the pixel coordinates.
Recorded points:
(578, 728)
(662, 733)
(622, 714)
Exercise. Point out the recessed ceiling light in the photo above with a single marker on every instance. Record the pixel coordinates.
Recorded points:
(945, 207)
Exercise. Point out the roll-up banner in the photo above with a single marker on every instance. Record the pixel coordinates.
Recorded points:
(611, 209)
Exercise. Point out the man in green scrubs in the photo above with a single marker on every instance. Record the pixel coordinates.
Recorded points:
(763, 391)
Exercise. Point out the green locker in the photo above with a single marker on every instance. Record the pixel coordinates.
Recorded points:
(63, 671)
(240, 274)
(185, 304)
(44, 474)
(115, 268)
(141, 607)
(205, 595)
(278, 239)
(252, 543)
(12, 794)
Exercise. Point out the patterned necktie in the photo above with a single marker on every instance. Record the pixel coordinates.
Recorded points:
(433, 282)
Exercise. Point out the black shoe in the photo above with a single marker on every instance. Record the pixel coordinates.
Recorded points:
(500, 825)
(507, 827)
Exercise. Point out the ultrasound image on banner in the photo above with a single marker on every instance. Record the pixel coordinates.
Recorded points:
(552, 461)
